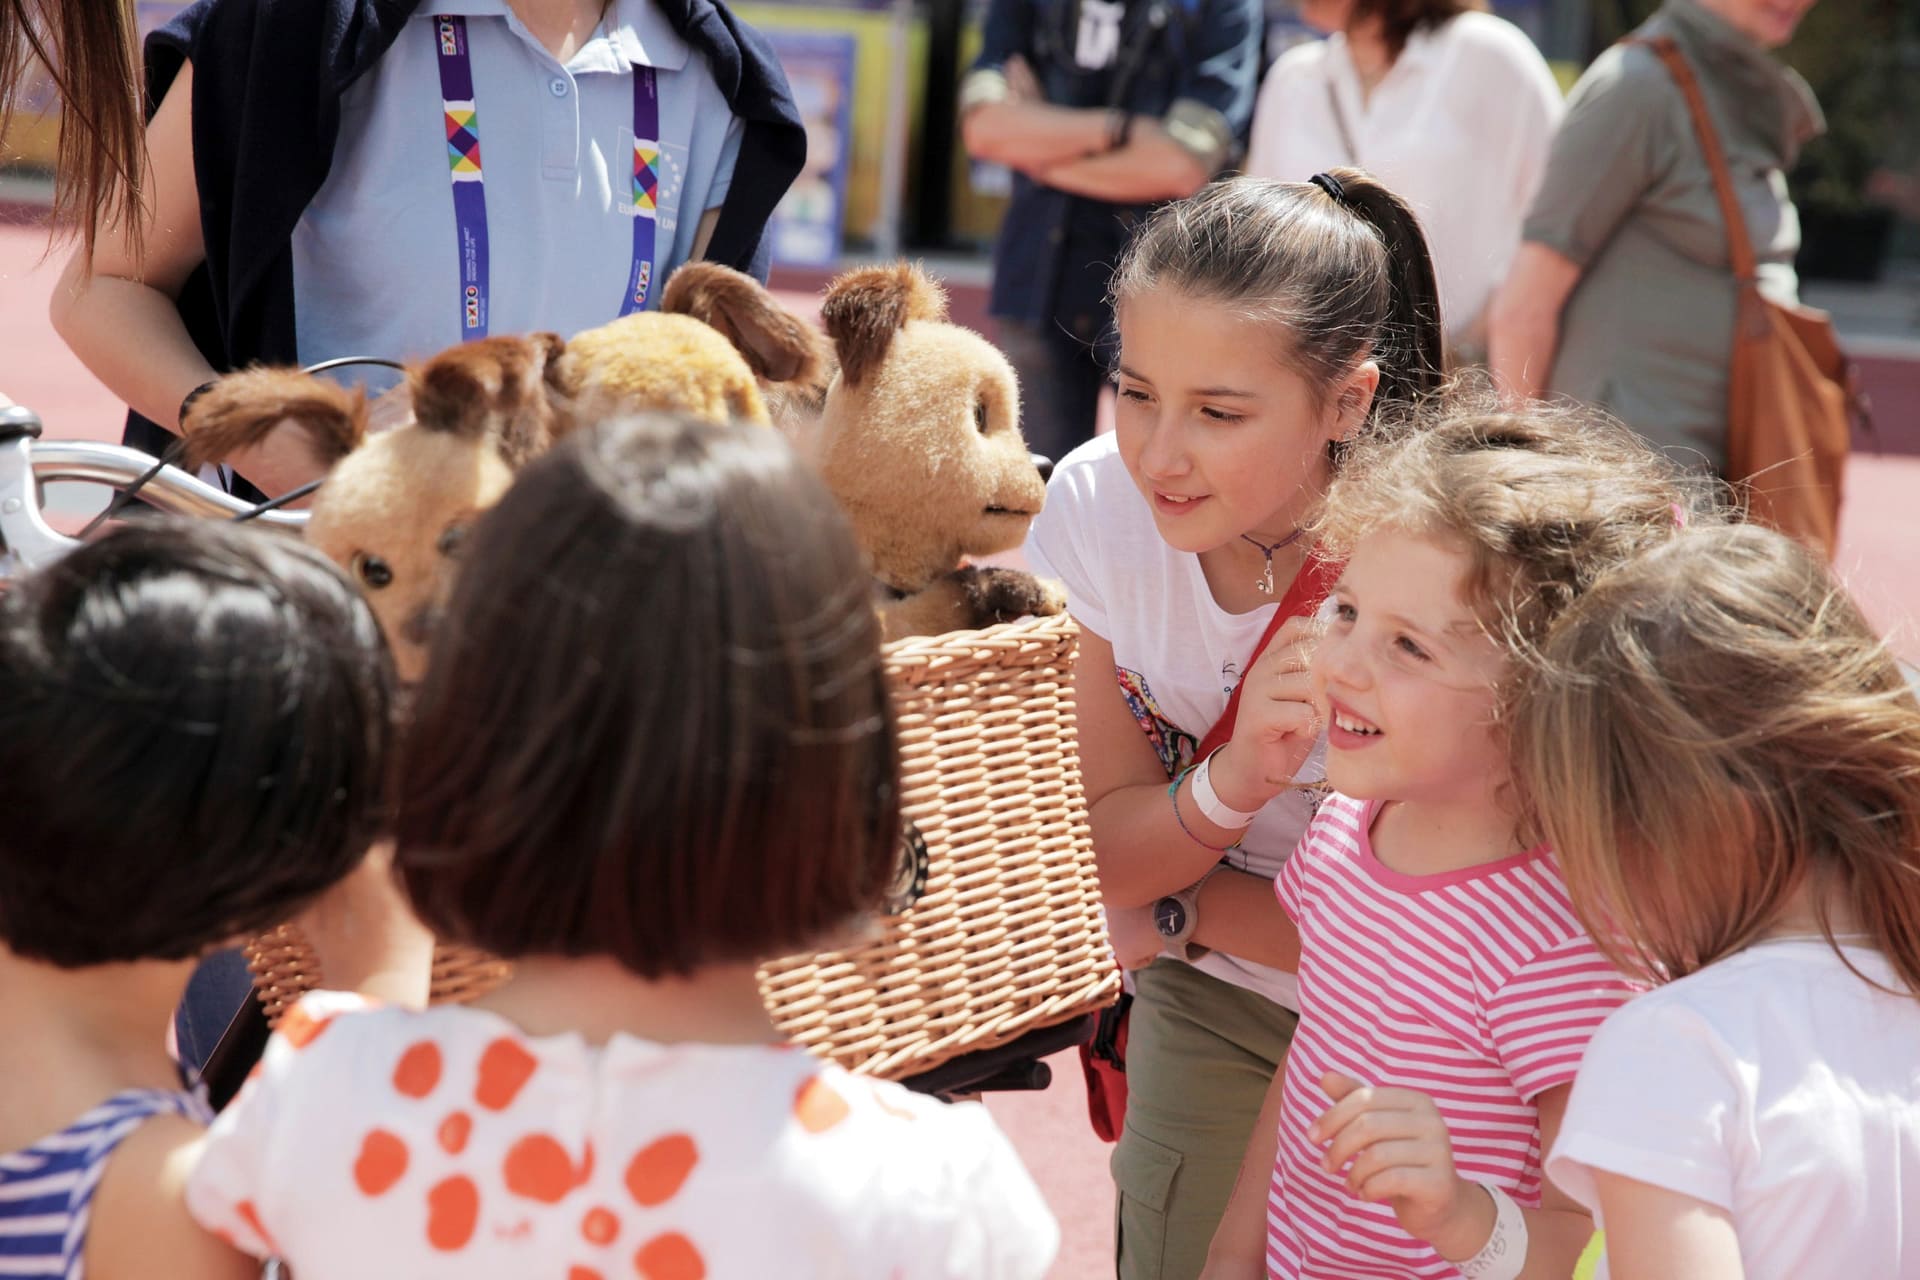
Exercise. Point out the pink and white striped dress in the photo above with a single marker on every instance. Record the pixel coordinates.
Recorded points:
(1477, 987)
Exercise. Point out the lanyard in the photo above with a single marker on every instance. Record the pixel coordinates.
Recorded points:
(470, 188)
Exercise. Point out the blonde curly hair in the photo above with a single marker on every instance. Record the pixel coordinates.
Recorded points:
(1541, 499)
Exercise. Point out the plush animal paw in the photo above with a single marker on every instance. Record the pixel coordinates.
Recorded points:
(971, 598)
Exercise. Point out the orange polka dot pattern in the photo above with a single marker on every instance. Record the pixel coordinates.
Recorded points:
(538, 1166)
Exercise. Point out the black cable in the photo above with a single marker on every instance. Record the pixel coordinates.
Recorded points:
(173, 451)
(122, 497)
(274, 504)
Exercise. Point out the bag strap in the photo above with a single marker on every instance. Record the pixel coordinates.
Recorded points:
(1746, 272)
(1303, 599)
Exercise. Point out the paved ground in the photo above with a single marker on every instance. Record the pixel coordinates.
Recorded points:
(1880, 539)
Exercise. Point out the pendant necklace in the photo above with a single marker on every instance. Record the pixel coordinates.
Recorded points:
(1265, 581)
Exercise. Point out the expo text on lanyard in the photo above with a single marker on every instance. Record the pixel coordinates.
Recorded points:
(470, 188)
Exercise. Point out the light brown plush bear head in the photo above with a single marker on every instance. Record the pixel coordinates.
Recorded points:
(396, 506)
(920, 434)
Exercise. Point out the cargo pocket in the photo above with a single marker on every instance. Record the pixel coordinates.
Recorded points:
(1143, 1175)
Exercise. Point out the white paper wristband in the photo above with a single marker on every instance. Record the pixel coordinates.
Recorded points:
(1504, 1255)
(1216, 810)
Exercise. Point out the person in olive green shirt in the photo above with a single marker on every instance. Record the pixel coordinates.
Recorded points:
(1622, 295)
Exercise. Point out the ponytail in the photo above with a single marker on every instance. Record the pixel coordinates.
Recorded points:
(1339, 264)
(1411, 349)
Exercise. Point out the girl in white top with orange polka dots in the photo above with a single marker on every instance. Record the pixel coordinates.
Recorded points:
(654, 750)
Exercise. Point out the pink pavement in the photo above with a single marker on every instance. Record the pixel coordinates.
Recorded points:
(1880, 531)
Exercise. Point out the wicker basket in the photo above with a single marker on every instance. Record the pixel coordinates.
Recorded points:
(1007, 936)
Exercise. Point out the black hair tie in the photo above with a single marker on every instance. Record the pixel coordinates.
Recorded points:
(1331, 185)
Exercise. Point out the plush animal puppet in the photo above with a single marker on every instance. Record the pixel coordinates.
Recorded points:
(919, 438)
(791, 358)
(397, 504)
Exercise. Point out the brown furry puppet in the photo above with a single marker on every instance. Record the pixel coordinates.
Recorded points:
(919, 438)
(396, 504)
(792, 359)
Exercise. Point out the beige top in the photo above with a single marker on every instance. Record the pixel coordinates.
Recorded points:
(1648, 332)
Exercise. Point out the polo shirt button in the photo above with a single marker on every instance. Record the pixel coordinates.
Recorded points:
(558, 86)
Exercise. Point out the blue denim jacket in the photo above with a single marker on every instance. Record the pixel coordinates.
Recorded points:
(1056, 251)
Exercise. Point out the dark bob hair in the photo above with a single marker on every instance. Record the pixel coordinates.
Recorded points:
(194, 722)
(655, 725)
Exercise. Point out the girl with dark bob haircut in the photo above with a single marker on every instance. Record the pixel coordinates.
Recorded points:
(194, 721)
(653, 749)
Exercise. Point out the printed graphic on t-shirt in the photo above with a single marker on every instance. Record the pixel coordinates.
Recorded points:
(1098, 42)
(1174, 745)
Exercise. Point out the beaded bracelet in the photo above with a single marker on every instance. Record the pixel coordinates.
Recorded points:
(1173, 793)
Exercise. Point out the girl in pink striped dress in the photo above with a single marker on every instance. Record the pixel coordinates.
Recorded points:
(1447, 988)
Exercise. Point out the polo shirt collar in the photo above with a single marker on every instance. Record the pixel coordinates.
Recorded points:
(633, 33)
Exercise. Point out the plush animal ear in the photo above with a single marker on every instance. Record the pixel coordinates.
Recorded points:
(504, 389)
(865, 308)
(243, 408)
(777, 345)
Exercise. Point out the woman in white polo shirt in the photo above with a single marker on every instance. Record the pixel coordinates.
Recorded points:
(1446, 104)
(390, 177)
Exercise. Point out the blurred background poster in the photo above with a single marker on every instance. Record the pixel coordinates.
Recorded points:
(807, 226)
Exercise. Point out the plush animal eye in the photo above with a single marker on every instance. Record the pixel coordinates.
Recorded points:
(452, 540)
(980, 416)
(372, 570)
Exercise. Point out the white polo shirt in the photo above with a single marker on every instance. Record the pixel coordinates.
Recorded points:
(376, 266)
(1459, 128)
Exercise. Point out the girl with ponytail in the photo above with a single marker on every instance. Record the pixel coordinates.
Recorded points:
(1263, 326)
(1728, 762)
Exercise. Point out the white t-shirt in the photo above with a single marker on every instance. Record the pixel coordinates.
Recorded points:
(448, 1145)
(1776, 1085)
(1459, 128)
(1178, 654)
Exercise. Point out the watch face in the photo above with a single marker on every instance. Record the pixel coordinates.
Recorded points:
(1170, 917)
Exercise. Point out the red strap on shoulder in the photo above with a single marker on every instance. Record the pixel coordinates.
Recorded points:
(1302, 600)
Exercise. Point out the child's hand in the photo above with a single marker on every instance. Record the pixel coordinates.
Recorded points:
(1277, 724)
(1393, 1146)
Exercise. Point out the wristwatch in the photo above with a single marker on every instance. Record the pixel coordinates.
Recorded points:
(1177, 915)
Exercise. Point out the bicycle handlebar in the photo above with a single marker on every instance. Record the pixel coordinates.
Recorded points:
(27, 541)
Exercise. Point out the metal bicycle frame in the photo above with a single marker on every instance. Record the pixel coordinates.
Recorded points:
(28, 542)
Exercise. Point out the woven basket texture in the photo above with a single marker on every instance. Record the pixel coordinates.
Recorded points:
(1008, 936)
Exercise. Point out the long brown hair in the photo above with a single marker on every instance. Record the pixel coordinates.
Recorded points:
(1713, 729)
(1345, 279)
(90, 50)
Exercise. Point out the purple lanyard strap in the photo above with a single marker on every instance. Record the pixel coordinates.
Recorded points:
(470, 188)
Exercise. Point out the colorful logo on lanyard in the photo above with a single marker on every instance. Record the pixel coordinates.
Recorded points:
(463, 141)
(646, 177)
(449, 37)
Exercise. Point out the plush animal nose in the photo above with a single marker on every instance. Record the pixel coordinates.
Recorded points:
(420, 625)
(1042, 464)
